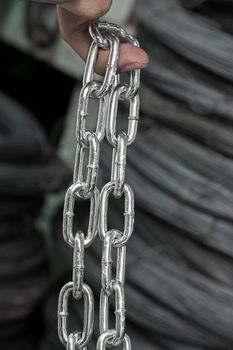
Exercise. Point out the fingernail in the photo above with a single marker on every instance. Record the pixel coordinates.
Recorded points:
(135, 65)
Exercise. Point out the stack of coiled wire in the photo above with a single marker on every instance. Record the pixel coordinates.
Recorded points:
(29, 169)
(180, 265)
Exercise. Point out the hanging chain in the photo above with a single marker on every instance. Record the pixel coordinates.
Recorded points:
(108, 92)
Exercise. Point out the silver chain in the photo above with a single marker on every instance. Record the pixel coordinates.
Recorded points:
(108, 92)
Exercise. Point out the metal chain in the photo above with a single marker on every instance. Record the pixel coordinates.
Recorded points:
(108, 92)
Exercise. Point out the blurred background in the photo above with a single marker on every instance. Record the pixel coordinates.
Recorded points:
(180, 259)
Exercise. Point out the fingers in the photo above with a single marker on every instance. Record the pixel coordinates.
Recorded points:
(74, 18)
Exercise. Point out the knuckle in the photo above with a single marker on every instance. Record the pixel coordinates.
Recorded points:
(90, 10)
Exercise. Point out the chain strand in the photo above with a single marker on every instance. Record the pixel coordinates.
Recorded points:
(108, 92)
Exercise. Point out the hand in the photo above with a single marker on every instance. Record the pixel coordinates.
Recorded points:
(74, 17)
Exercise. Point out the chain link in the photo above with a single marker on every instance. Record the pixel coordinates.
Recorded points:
(105, 339)
(107, 262)
(119, 164)
(68, 215)
(108, 92)
(111, 67)
(119, 294)
(128, 213)
(112, 116)
(92, 166)
(82, 114)
(106, 27)
(78, 265)
(88, 315)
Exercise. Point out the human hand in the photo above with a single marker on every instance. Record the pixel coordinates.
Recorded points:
(74, 17)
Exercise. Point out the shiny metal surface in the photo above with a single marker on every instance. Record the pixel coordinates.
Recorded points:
(105, 339)
(63, 314)
(108, 92)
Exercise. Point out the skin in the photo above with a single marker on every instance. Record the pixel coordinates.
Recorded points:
(74, 17)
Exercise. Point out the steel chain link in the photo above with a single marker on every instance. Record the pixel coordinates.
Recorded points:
(108, 92)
